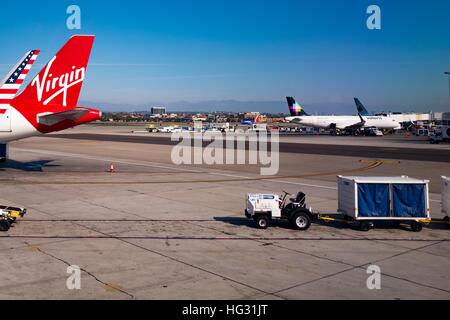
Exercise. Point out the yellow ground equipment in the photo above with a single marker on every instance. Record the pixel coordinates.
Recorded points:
(9, 215)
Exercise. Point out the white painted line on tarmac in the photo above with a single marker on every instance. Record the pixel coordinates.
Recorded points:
(274, 180)
(304, 184)
(122, 161)
(162, 166)
(229, 175)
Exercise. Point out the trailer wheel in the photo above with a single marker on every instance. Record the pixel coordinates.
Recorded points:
(364, 226)
(416, 226)
(262, 222)
(4, 225)
(301, 221)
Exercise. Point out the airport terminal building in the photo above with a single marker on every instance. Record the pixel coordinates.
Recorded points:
(426, 119)
(441, 118)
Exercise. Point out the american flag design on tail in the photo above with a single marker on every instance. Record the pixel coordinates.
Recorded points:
(11, 84)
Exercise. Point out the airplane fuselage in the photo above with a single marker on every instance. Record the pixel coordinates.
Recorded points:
(343, 122)
(15, 125)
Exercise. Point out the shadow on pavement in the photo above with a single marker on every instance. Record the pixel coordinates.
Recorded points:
(32, 166)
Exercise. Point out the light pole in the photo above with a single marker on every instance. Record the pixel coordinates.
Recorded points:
(448, 74)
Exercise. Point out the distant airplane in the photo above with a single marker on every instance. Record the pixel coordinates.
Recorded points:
(338, 122)
(404, 119)
(49, 102)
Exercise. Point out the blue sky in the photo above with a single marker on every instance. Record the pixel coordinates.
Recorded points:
(320, 51)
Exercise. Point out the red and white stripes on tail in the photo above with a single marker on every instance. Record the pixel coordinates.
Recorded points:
(12, 82)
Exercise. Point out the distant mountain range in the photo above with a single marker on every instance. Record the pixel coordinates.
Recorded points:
(272, 107)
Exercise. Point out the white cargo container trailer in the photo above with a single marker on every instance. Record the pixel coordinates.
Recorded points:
(446, 196)
(368, 199)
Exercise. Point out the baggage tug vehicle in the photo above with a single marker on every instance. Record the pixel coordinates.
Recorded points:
(9, 215)
(361, 201)
(263, 208)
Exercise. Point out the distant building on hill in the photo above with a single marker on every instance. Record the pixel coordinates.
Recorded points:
(158, 110)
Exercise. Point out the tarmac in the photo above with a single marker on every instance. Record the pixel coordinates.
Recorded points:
(155, 230)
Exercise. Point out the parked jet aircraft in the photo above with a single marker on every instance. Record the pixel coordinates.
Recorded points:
(338, 122)
(49, 102)
(405, 119)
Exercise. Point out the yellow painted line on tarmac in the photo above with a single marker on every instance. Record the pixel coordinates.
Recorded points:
(372, 165)
(383, 161)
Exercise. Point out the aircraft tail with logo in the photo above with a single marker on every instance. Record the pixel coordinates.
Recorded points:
(49, 102)
(14, 79)
(360, 107)
(294, 108)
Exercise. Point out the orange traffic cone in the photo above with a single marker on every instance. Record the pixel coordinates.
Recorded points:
(111, 168)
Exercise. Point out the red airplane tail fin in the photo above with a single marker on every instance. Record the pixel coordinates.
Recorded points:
(58, 84)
